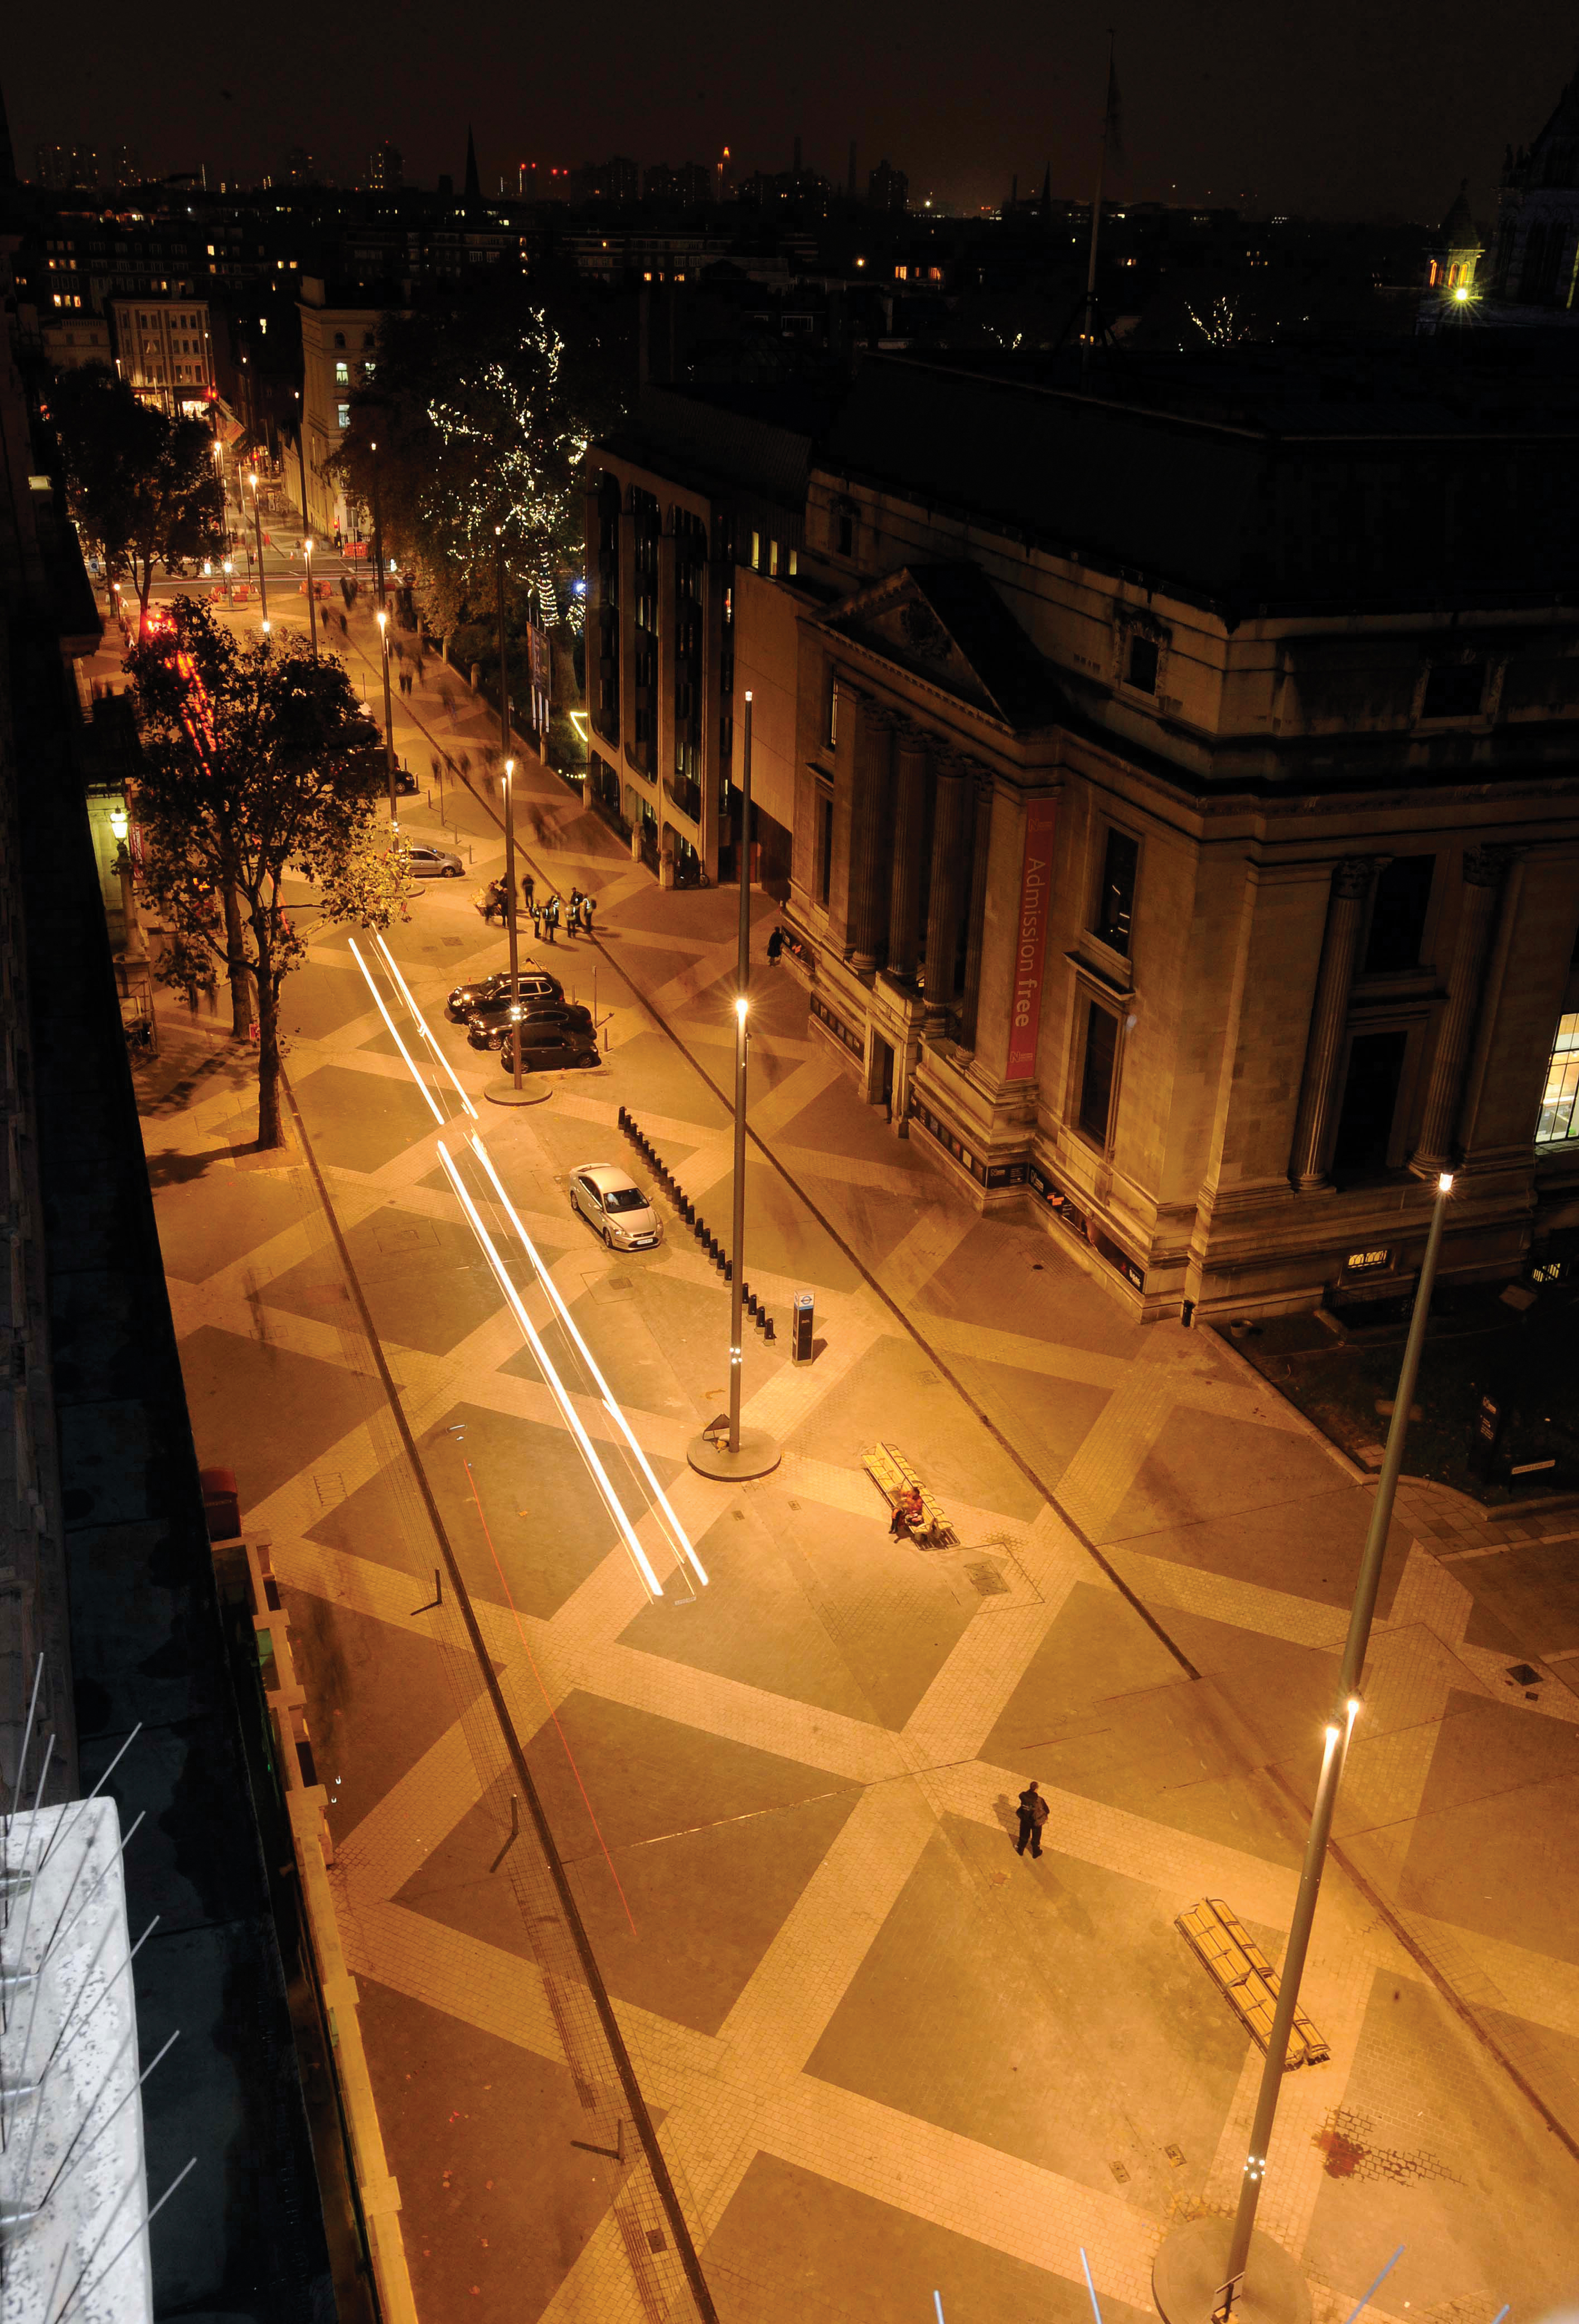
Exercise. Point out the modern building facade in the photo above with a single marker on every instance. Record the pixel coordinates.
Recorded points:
(1185, 826)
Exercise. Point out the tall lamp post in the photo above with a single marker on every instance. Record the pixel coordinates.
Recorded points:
(1214, 2269)
(258, 536)
(389, 761)
(520, 1089)
(311, 600)
(377, 528)
(746, 1451)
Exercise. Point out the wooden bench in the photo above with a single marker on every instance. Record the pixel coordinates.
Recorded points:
(892, 1473)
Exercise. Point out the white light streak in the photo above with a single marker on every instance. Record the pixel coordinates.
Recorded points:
(555, 1386)
(678, 1538)
(400, 1045)
(422, 1021)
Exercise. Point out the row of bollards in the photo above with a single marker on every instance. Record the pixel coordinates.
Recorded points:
(693, 1219)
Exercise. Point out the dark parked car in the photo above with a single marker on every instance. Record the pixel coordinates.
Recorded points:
(405, 782)
(532, 983)
(489, 1027)
(546, 1047)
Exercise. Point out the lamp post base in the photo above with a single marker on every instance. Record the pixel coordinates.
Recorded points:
(532, 1090)
(759, 1455)
(1187, 2278)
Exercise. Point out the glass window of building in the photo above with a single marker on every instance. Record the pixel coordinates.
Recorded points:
(1115, 903)
(1397, 915)
(1143, 666)
(1098, 1073)
(1559, 1105)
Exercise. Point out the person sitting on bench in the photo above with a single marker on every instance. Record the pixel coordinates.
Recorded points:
(910, 1512)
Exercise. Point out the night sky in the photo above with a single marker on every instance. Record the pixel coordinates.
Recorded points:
(1334, 108)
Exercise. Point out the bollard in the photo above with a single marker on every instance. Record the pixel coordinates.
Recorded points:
(767, 1327)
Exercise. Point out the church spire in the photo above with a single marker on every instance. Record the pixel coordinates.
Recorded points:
(474, 184)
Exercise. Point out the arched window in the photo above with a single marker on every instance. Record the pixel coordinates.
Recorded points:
(340, 339)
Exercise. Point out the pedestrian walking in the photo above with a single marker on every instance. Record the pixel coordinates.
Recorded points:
(490, 902)
(421, 659)
(1033, 1814)
(437, 765)
(528, 889)
(466, 765)
(775, 946)
(345, 630)
(447, 702)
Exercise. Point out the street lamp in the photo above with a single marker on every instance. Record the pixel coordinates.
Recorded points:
(312, 602)
(750, 1451)
(258, 533)
(1210, 2271)
(389, 764)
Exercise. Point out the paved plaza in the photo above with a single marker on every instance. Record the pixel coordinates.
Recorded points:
(885, 2057)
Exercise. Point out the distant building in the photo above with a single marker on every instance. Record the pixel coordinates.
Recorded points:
(888, 188)
(59, 167)
(1451, 265)
(339, 344)
(164, 349)
(74, 346)
(690, 185)
(615, 180)
(385, 168)
(1537, 232)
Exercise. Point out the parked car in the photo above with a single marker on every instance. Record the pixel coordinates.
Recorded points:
(405, 782)
(616, 1206)
(548, 1048)
(532, 983)
(433, 863)
(490, 1028)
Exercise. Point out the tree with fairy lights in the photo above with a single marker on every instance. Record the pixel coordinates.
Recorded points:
(257, 762)
(471, 428)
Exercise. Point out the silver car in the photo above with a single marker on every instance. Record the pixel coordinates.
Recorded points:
(433, 863)
(616, 1206)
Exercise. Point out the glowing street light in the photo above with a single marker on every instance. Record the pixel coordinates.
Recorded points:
(258, 533)
(750, 1451)
(1194, 2259)
(312, 602)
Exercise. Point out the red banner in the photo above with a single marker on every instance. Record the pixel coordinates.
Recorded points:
(1030, 939)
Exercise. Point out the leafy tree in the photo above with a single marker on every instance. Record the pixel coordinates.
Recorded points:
(256, 759)
(481, 408)
(141, 486)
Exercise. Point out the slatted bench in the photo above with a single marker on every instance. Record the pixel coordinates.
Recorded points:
(892, 1474)
(1246, 1979)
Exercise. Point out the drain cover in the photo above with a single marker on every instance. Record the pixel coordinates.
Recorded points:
(987, 1581)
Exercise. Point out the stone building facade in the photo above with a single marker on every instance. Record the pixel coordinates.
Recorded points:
(1185, 818)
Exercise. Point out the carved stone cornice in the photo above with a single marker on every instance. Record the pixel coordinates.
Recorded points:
(1352, 877)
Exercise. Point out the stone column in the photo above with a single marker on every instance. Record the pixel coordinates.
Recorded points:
(1483, 876)
(976, 913)
(1317, 1090)
(868, 822)
(840, 887)
(1488, 1000)
(910, 820)
(943, 901)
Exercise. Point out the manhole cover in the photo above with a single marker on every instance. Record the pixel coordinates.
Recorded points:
(987, 1581)
(1174, 2153)
(1118, 2172)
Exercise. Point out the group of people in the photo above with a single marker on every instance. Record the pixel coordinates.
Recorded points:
(548, 916)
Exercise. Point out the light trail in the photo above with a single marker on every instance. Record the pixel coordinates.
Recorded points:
(679, 1539)
(555, 1386)
(422, 1022)
(400, 1045)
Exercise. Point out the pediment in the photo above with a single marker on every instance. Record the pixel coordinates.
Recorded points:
(947, 624)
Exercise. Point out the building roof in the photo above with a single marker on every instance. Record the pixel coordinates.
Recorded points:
(1457, 230)
(1262, 478)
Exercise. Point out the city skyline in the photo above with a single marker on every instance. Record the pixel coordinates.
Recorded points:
(1269, 111)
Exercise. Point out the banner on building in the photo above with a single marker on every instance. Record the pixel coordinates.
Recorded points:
(1030, 944)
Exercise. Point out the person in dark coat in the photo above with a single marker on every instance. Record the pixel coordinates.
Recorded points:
(775, 946)
(528, 889)
(1033, 1814)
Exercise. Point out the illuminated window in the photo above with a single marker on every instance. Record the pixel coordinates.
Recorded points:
(833, 715)
(342, 415)
(342, 374)
(1559, 1105)
(773, 556)
(1115, 902)
(756, 552)
(794, 559)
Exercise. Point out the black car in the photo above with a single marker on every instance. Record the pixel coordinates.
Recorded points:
(546, 1048)
(489, 1027)
(532, 984)
(405, 782)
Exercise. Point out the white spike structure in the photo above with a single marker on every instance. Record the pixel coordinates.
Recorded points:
(73, 2186)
